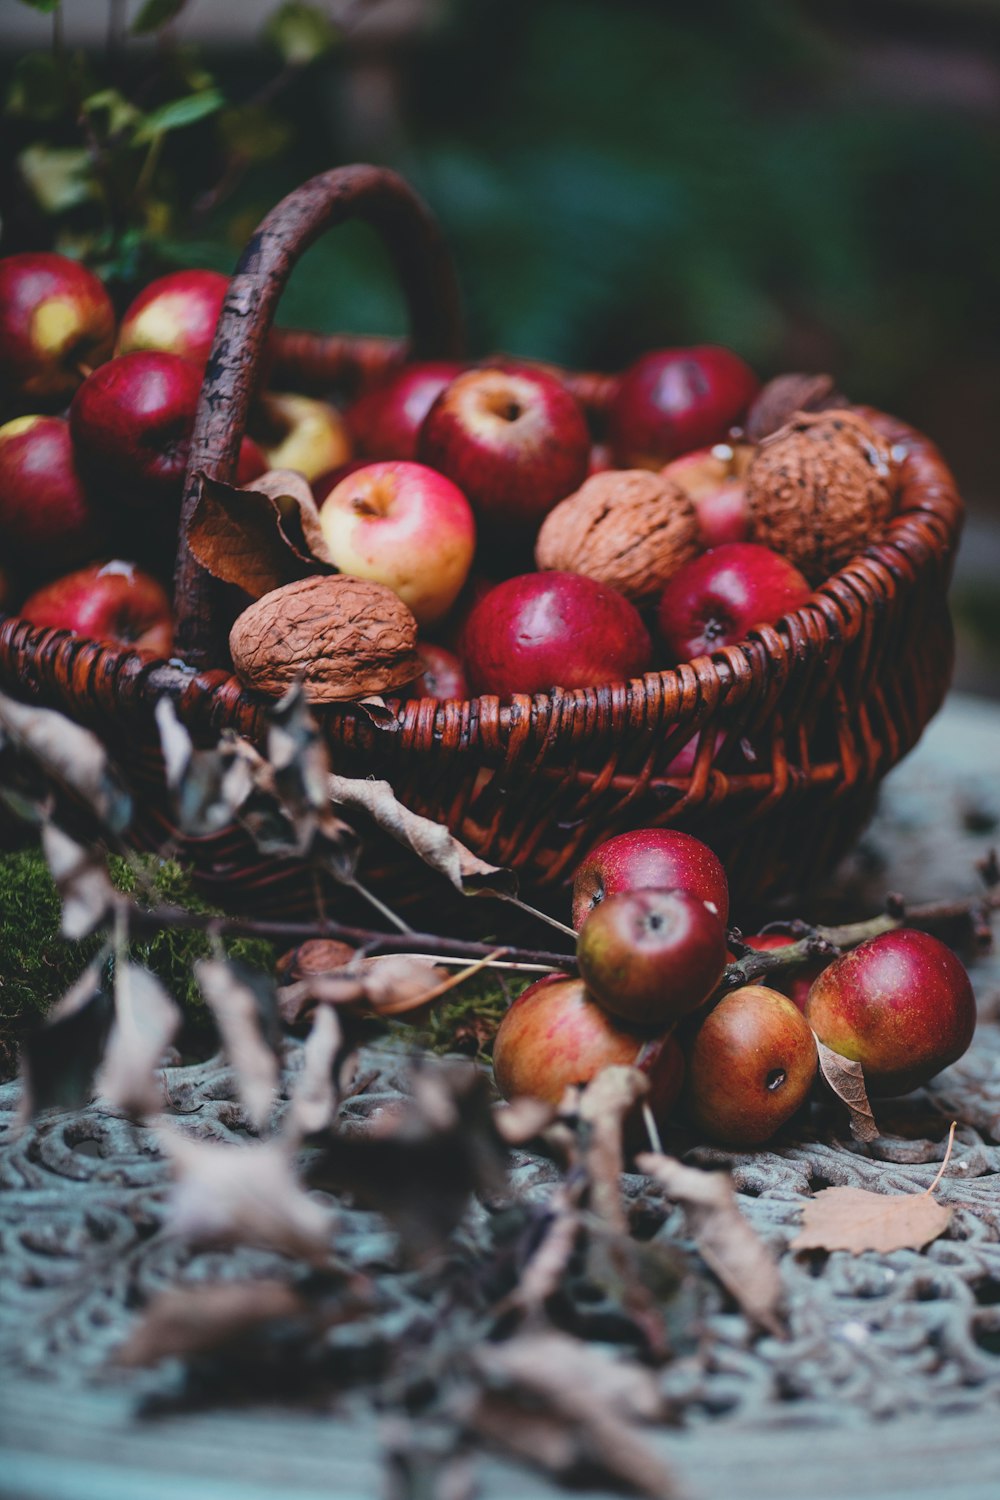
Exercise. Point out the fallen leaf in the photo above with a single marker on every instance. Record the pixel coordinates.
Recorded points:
(146, 1022)
(522, 1120)
(70, 756)
(603, 1106)
(186, 1321)
(727, 1243)
(248, 1194)
(847, 1080)
(391, 985)
(239, 536)
(59, 1059)
(430, 841)
(846, 1218)
(315, 1097)
(245, 1010)
(82, 880)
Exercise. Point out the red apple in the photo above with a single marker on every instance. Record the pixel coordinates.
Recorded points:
(796, 986)
(406, 526)
(555, 1035)
(176, 314)
(107, 602)
(650, 859)
(673, 400)
(443, 676)
(385, 421)
(541, 630)
(45, 515)
(131, 422)
(750, 1067)
(250, 463)
(56, 322)
(514, 441)
(901, 1005)
(649, 957)
(717, 597)
(299, 432)
(714, 478)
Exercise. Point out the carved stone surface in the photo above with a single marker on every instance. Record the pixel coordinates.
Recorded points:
(910, 1334)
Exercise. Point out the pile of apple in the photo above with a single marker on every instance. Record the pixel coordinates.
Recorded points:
(435, 483)
(650, 908)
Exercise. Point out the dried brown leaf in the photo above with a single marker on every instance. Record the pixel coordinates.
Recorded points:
(299, 512)
(146, 1022)
(603, 1106)
(82, 880)
(846, 1218)
(240, 535)
(429, 840)
(315, 1097)
(236, 1008)
(847, 1080)
(248, 1194)
(69, 755)
(209, 787)
(396, 983)
(186, 1321)
(522, 1120)
(60, 1058)
(727, 1242)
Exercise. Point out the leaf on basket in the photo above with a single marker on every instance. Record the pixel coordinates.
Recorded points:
(245, 1008)
(846, 1218)
(68, 755)
(847, 1080)
(429, 840)
(60, 1058)
(146, 1022)
(82, 880)
(241, 536)
(728, 1244)
(209, 787)
(248, 1195)
(192, 1320)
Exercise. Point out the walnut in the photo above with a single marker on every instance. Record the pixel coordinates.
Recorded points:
(344, 637)
(628, 528)
(820, 489)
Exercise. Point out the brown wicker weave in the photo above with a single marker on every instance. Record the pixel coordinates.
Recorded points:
(795, 726)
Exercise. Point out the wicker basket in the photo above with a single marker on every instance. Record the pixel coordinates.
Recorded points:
(795, 726)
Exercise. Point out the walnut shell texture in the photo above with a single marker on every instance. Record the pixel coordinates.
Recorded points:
(628, 528)
(344, 637)
(820, 489)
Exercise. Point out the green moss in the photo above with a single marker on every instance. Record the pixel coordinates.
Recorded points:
(467, 1020)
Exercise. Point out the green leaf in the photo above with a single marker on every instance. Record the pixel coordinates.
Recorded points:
(58, 176)
(301, 33)
(154, 14)
(254, 132)
(121, 112)
(179, 113)
(37, 88)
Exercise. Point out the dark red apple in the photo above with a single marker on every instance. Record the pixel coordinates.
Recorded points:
(650, 859)
(649, 957)
(385, 421)
(673, 400)
(131, 422)
(514, 441)
(176, 314)
(56, 322)
(443, 676)
(46, 518)
(901, 1005)
(717, 597)
(541, 630)
(555, 1036)
(112, 601)
(750, 1066)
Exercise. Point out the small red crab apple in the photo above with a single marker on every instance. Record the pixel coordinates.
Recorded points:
(387, 419)
(650, 859)
(113, 601)
(901, 1005)
(177, 314)
(56, 322)
(714, 599)
(673, 400)
(131, 422)
(46, 517)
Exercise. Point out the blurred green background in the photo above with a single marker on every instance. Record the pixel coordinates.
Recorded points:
(814, 184)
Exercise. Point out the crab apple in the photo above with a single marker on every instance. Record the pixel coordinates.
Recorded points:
(540, 630)
(717, 597)
(796, 986)
(176, 314)
(112, 601)
(901, 1005)
(56, 322)
(131, 422)
(649, 957)
(714, 479)
(386, 420)
(46, 518)
(555, 1035)
(650, 859)
(673, 400)
(443, 675)
(515, 441)
(750, 1066)
(404, 525)
(299, 432)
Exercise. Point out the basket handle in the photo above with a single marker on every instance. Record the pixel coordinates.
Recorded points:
(424, 268)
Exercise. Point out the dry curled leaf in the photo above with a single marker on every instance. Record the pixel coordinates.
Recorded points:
(728, 1244)
(315, 1097)
(81, 878)
(209, 787)
(778, 401)
(70, 756)
(192, 1320)
(846, 1218)
(242, 536)
(847, 1080)
(146, 1022)
(244, 1009)
(603, 1106)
